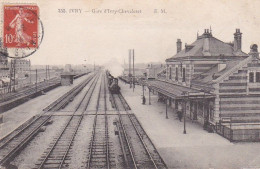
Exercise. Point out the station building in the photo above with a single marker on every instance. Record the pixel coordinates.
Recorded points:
(212, 80)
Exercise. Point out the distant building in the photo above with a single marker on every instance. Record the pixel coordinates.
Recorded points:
(4, 71)
(4, 67)
(153, 70)
(22, 66)
(138, 72)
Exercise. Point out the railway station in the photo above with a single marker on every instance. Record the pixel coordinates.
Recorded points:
(92, 119)
(83, 88)
(215, 84)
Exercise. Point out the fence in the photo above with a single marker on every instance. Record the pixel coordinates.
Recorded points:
(236, 132)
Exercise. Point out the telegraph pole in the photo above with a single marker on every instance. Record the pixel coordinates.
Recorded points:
(30, 74)
(10, 76)
(129, 75)
(184, 119)
(133, 70)
(36, 80)
(49, 72)
(14, 75)
(46, 73)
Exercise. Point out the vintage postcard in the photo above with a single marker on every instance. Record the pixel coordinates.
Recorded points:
(129, 84)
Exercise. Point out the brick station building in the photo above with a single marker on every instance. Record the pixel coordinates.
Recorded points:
(215, 80)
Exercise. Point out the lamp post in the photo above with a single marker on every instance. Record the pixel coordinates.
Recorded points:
(133, 69)
(184, 119)
(143, 94)
(166, 108)
(36, 80)
(184, 108)
(149, 96)
(14, 64)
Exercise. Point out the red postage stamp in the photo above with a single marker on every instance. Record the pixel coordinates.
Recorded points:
(20, 26)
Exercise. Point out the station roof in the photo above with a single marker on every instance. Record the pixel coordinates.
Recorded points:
(207, 46)
(176, 91)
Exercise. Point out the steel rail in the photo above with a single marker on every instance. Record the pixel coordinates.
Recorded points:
(94, 130)
(139, 135)
(63, 102)
(28, 90)
(64, 129)
(62, 98)
(23, 142)
(81, 117)
(6, 142)
(126, 137)
(106, 124)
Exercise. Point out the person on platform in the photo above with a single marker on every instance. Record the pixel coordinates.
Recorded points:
(144, 100)
(180, 114)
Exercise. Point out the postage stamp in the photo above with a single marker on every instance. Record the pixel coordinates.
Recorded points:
(20, 26)
(22, 30)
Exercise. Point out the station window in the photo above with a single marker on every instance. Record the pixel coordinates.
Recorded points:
(251, 77)
(181, 69)
(170, 76)
(183, 75)
(176, 76)
(257, 77)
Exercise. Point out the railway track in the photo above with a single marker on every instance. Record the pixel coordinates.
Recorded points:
(99, 149)
(13, 143)
(67, 97)
(29, 90)
(57, 155)
(138, 150)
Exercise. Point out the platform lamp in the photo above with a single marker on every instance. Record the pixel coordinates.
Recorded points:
(143, 93)
(166, 98)
(184, 93)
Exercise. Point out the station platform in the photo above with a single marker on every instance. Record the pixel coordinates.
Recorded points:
(17, 116)
(197, 148)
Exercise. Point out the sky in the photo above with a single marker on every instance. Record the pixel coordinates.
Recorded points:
(71, 38)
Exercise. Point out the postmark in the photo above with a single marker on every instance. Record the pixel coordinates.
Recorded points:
(22, 30)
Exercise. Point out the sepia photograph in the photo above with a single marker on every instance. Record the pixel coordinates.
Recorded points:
(108, 84)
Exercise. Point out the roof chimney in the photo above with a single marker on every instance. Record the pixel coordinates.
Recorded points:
(254, 51)
(179, 46)
(237, 40)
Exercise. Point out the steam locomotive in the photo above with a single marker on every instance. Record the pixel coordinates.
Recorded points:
(113, 84)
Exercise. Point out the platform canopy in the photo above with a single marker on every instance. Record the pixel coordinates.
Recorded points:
(177, 91)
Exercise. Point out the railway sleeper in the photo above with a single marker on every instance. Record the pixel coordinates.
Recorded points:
(51, 166)
(55, 156)
(95, 151)
(99, 156)
(56, 161)
(99, 160)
